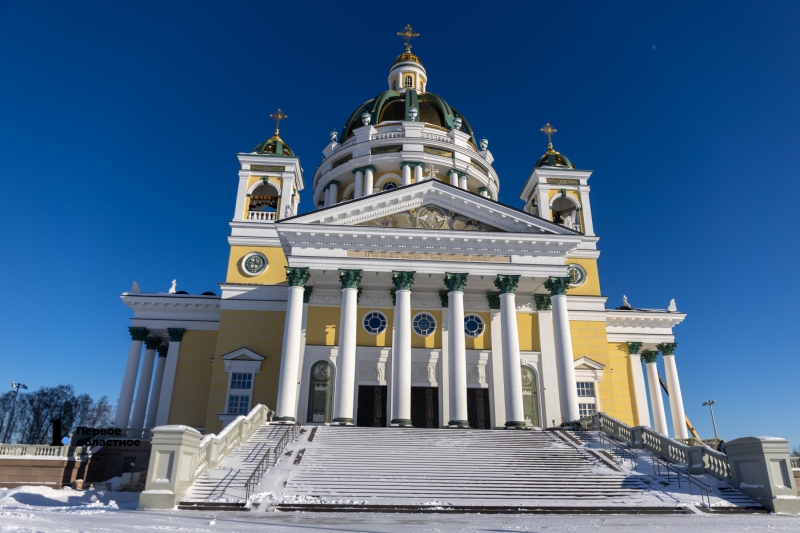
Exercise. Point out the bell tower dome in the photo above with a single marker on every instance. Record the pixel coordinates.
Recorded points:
(407, 71)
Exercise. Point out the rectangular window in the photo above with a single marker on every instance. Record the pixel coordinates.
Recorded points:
(241, 381)
(586, 409)
(238, 405)
(586, 389)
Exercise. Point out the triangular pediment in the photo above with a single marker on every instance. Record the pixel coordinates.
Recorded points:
(242, 354)
(430, 205)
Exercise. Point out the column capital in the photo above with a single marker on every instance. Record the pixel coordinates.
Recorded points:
(443, 299)
(543, 302)
(152, 343)
(393, 294)
(307, 293)
(162, 350)
(358, 295)
(649, 356)
(494, 299)
(412, 164)
(667, 348)
(138, 334)
(349, 278)
(402, 280)
(364, 169)
(455, 282)
(557, 286)
(634, 347)
(458, 173)
(333, 182)
(506, 283)
(297, 277)
(175, 334)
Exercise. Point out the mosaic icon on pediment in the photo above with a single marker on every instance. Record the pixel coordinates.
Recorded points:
(430, 217)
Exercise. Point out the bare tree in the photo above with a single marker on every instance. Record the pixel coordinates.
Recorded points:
(6, 401)
(795, 451)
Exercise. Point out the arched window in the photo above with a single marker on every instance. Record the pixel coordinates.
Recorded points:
(389, 185)
(320, 389)
(530, 397)
(394, 85)
(409, 81)
(565, 212)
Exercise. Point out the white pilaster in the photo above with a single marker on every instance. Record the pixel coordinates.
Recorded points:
(458, 361)
(445, 385)
(368, 181)
(675, 398)
(155, 392)
(359, 186)
(290, 355)
(656, 402)
(168, 381)
(639, 390)
(401, 384)
(515, 415)
(548, 371)
(143, 391)
(346, 360)
(129, 381)
(564, 358)
(498, 389)
(406, 175)
(301, 365)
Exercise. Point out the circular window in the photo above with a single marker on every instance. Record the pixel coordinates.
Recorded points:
(473, 326)
(254, 263)
(577, 275)
(375, 322)
(389, 185)
(424, 324)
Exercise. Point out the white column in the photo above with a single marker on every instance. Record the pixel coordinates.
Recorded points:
(418, 173)
(515, 414)
(368, 181)
(359, 185)
(401, 380)
(406, 175)
(498, 375)
(674, 388)
(653, 384)
(155, 392)
(334, 192)
(346, 360)
(145, 379)
(462, 181)
(563, 341)
(301, 366)
(170, 369)
(551, 392)
(327, 193)
(457, 348)
(129, 378)
(454, 178)
(639, 390)
(445, 386)
(290, 354)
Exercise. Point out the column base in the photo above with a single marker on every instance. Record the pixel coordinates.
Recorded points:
(458, 423)
(342, 422)
(515, 425)
(284, 419)
(402, 422)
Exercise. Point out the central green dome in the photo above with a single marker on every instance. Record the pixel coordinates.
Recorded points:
(393, 106)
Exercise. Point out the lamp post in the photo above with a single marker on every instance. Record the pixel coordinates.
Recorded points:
(13, 406)
(709, 403)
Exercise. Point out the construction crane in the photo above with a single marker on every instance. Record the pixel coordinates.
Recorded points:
(689, 425)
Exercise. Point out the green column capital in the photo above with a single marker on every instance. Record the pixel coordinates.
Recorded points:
(412, 164)
(297, 277)
(307, 293)
(364, 169)
(138, 334)
(459, 173)
(667, 348)
(152, 343)
(175, 334)
(494, 299)
(649, 356)
(358, 295)
(162, 350)
(506, 283)
(634, 347)
(444, 299)
(455, 282)
(333, 182)
(349, 278)
(543, 302)
(402, 280)
(557, 286)
(393, 294)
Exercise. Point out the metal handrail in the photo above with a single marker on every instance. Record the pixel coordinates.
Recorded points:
(576, 428)
(704, 488)
(633, 457)
(263, 465)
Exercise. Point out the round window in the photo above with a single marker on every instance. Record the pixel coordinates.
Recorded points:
(473, 326)
(424, 324)
(389, 185)
(577, 275)
(254, 263)
(375, 322)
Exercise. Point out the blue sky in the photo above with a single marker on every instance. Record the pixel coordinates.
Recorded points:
(119, 125)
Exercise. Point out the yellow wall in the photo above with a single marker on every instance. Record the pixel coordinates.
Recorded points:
(273, 275)
(431, 341)
(192, 379)
(323, 326)
(589, 340)
(620, 350)
(380, 340)
(260, 331)
(484, 342)
(590, 287)
(528, 329)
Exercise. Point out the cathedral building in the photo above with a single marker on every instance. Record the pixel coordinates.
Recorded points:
(409, 296)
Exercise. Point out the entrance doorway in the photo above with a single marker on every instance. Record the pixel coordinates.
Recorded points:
(425, 407)
(371, 406)
(320, 387)
(530, 397)
(478, 409)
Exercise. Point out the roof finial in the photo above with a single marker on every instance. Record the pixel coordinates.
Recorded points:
(408, 34)
(549, 130)
(278, 116)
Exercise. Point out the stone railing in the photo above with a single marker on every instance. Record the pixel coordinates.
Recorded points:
(262, 216)
(44, 451)
(180, 454)
(795, 462)
(390, 135)
(440, 138)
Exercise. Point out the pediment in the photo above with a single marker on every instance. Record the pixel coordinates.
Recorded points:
(430, 205)
(584, 363)
(242, 354)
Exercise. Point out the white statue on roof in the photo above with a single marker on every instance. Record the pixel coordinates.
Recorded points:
(672, 307)
(172, 289)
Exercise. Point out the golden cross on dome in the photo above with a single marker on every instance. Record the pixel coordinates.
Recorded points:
(408, 34)
(278, 116)
(549, 130)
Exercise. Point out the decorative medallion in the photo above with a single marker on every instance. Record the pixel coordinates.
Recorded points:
(254, 263)
(576, 274)
(321, 371)
(527, 376)
(431, 218)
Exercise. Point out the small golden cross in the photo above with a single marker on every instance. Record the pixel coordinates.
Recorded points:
(549, 130)
(278, 116)
(408, 34)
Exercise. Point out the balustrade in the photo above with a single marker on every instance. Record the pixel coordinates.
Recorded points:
(262, 216)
